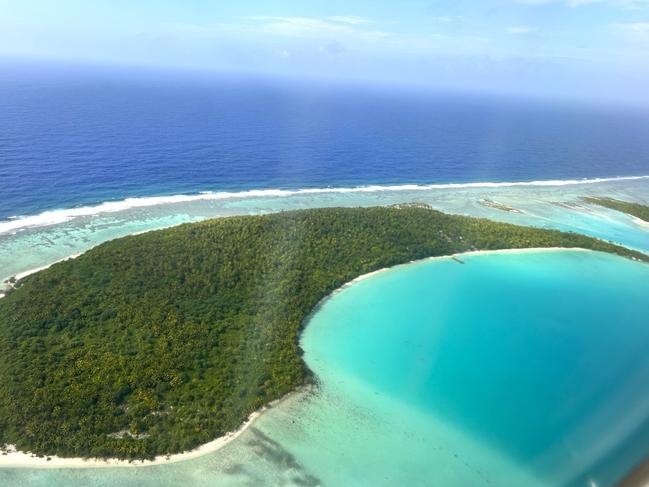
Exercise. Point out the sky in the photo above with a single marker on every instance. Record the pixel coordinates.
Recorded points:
(597, 48)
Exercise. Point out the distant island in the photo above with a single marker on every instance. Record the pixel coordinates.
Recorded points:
(157, 343)
(636, 210)
(499, 206)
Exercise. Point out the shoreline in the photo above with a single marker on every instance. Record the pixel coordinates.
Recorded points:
(62, 215)
(640, 222)
(458, 255)
(8, 286)
(22, 275)
(18, 459)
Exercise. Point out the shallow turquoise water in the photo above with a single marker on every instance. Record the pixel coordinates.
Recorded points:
(523, 369)
(536, 357)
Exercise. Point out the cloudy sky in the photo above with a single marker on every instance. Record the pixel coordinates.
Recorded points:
(553, 47)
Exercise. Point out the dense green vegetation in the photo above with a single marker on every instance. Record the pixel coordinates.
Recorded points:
(156, 343)
(634, 209)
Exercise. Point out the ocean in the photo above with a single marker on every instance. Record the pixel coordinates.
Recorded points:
(496, 372)
(72, 137)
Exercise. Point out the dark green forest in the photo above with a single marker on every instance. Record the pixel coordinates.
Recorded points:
(634, 209)
(156, 343)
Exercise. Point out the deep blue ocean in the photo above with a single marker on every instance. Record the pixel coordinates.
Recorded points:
(73, 136)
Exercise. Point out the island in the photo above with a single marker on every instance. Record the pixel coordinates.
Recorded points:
(636, 210)
(499, 206)
(157, 343)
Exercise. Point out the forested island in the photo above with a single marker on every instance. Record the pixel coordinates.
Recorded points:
(154, 344)
(633, 209)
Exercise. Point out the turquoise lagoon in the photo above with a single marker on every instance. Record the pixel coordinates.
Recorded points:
(511, 369)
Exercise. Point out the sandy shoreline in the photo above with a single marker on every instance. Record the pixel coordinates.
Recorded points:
(464, 254)
(22, 275)
(455, 257)
(640, 222)
(18, 459)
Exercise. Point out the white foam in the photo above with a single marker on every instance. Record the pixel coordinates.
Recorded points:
(61, 216)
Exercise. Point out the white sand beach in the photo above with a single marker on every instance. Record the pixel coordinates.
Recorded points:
(464, 254)
(17, 459)
(14, 459)
(29, 272)
(641, 223)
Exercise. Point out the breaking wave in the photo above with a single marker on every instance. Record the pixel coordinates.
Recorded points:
(52, 217)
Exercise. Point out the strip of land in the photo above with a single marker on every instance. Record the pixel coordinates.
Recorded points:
(636, 210)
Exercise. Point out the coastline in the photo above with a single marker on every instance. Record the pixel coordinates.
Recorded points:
(21, 275)
(6, 286)
(640, 222)
(19, 459)
(456, 258)
(62, 215)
